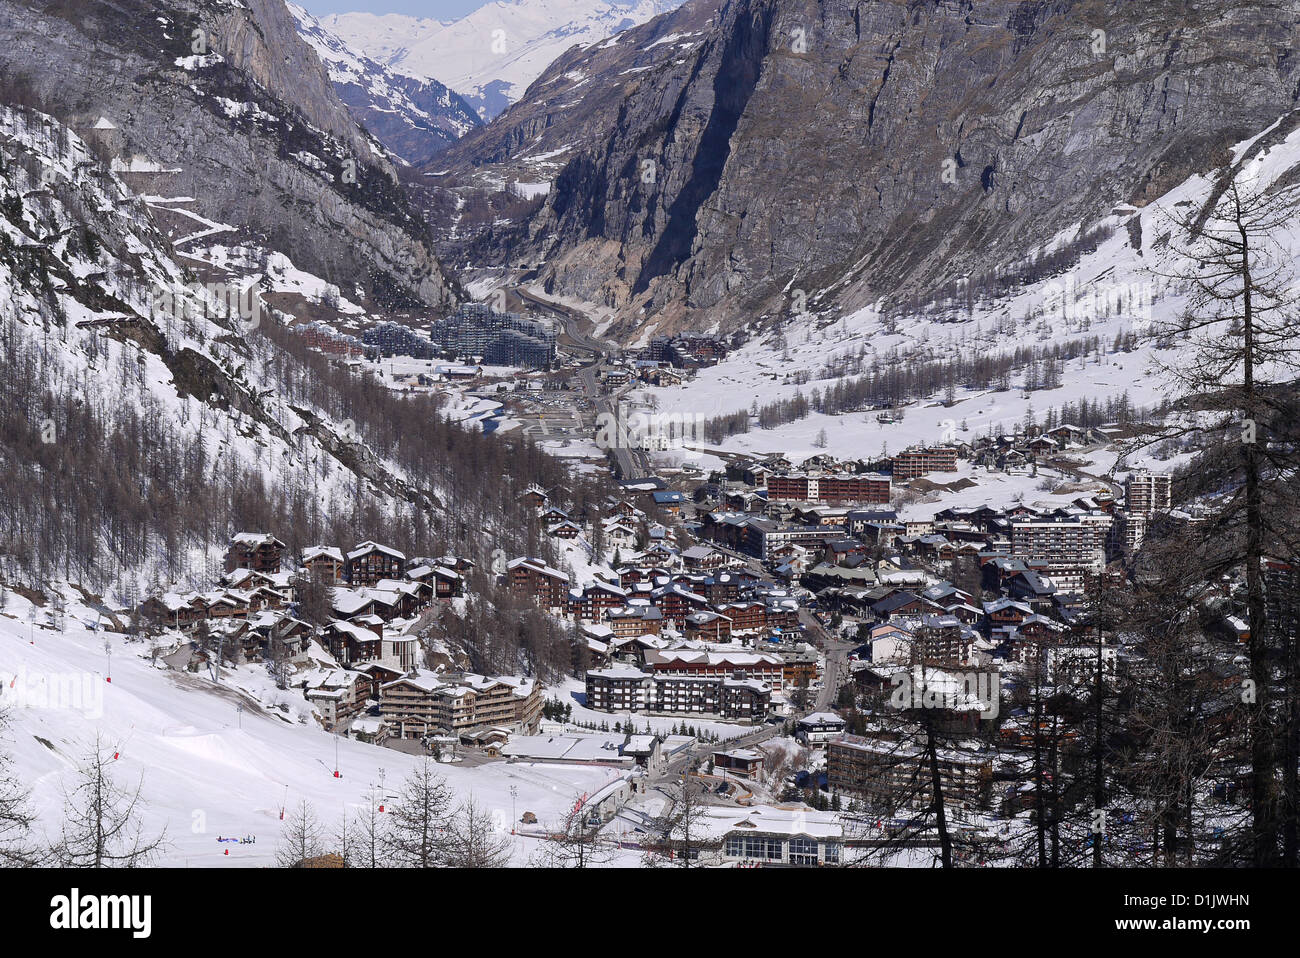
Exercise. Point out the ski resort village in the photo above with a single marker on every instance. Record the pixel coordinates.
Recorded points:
(700, 434)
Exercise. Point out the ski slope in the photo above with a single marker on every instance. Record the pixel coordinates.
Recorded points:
(207, 771)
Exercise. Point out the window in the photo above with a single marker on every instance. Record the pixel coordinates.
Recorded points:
(803, 851)
(832, 853)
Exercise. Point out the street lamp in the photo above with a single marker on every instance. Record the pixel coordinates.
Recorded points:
(514, 793)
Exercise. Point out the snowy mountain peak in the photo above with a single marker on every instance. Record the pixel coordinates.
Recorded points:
(494, 53)
(413, 117)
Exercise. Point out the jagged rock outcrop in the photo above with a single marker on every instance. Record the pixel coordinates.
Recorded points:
(229, 99)
(869, 148)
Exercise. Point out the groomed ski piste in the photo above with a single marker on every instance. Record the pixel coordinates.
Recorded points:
(211, 775)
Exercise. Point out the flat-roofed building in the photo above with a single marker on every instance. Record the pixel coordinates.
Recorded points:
(1146, 493)
(890, 773)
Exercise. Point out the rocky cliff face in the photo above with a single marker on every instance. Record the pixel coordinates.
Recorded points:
(874, 148)
(228, 98)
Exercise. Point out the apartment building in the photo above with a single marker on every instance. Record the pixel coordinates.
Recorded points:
(1073, 547)
(917, 462)
(737, 697)
(1126, 534)
(887, 772)
(1146, 493)
(424, 703)
(870, 488)
(692, 663)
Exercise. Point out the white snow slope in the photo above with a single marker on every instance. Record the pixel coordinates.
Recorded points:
(205, 770)
(491, 55)
(1119, 288)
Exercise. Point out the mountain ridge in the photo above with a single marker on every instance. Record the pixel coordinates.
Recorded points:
(858, 151)
(413, 118)
(492, 54)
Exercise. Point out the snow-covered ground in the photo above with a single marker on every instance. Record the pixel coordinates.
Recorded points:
(206, 770)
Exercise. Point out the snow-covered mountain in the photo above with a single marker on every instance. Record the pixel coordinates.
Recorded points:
(414, 117)
(1097, 324)
(707, 163)
(494, 53)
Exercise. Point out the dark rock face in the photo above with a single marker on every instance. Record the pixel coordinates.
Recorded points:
(437, 116)
(244, 112)
(870, 148)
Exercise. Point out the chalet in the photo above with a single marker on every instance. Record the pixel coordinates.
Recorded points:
(221, 605)
(246, 579)
(708, 626)
(636, 619)
(618, 535)
(369, 562)
(441, 581)
(669, 501)
(819, 728)
(703, 558)
(324, 562)
(408, 597)
(534, 578)
(1069, 435)
(1034, 634)
(351, 643)
(633, 648)
(338, 694)
(447, 582)
(535, 497)
(782, 615)
(746, 616)
(721, 588)
(900, 603)
(258, 551)
(594, 602)
(799, 665)
(564, 530)
(676, 603)
(351, 603)
(377, 673)
(623, 509)
(1042, 446)
(174, 610)
(745, 762)
(1031, 587)
(1006, 611)
(632, 575)
(293, 635)
(840, 550)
